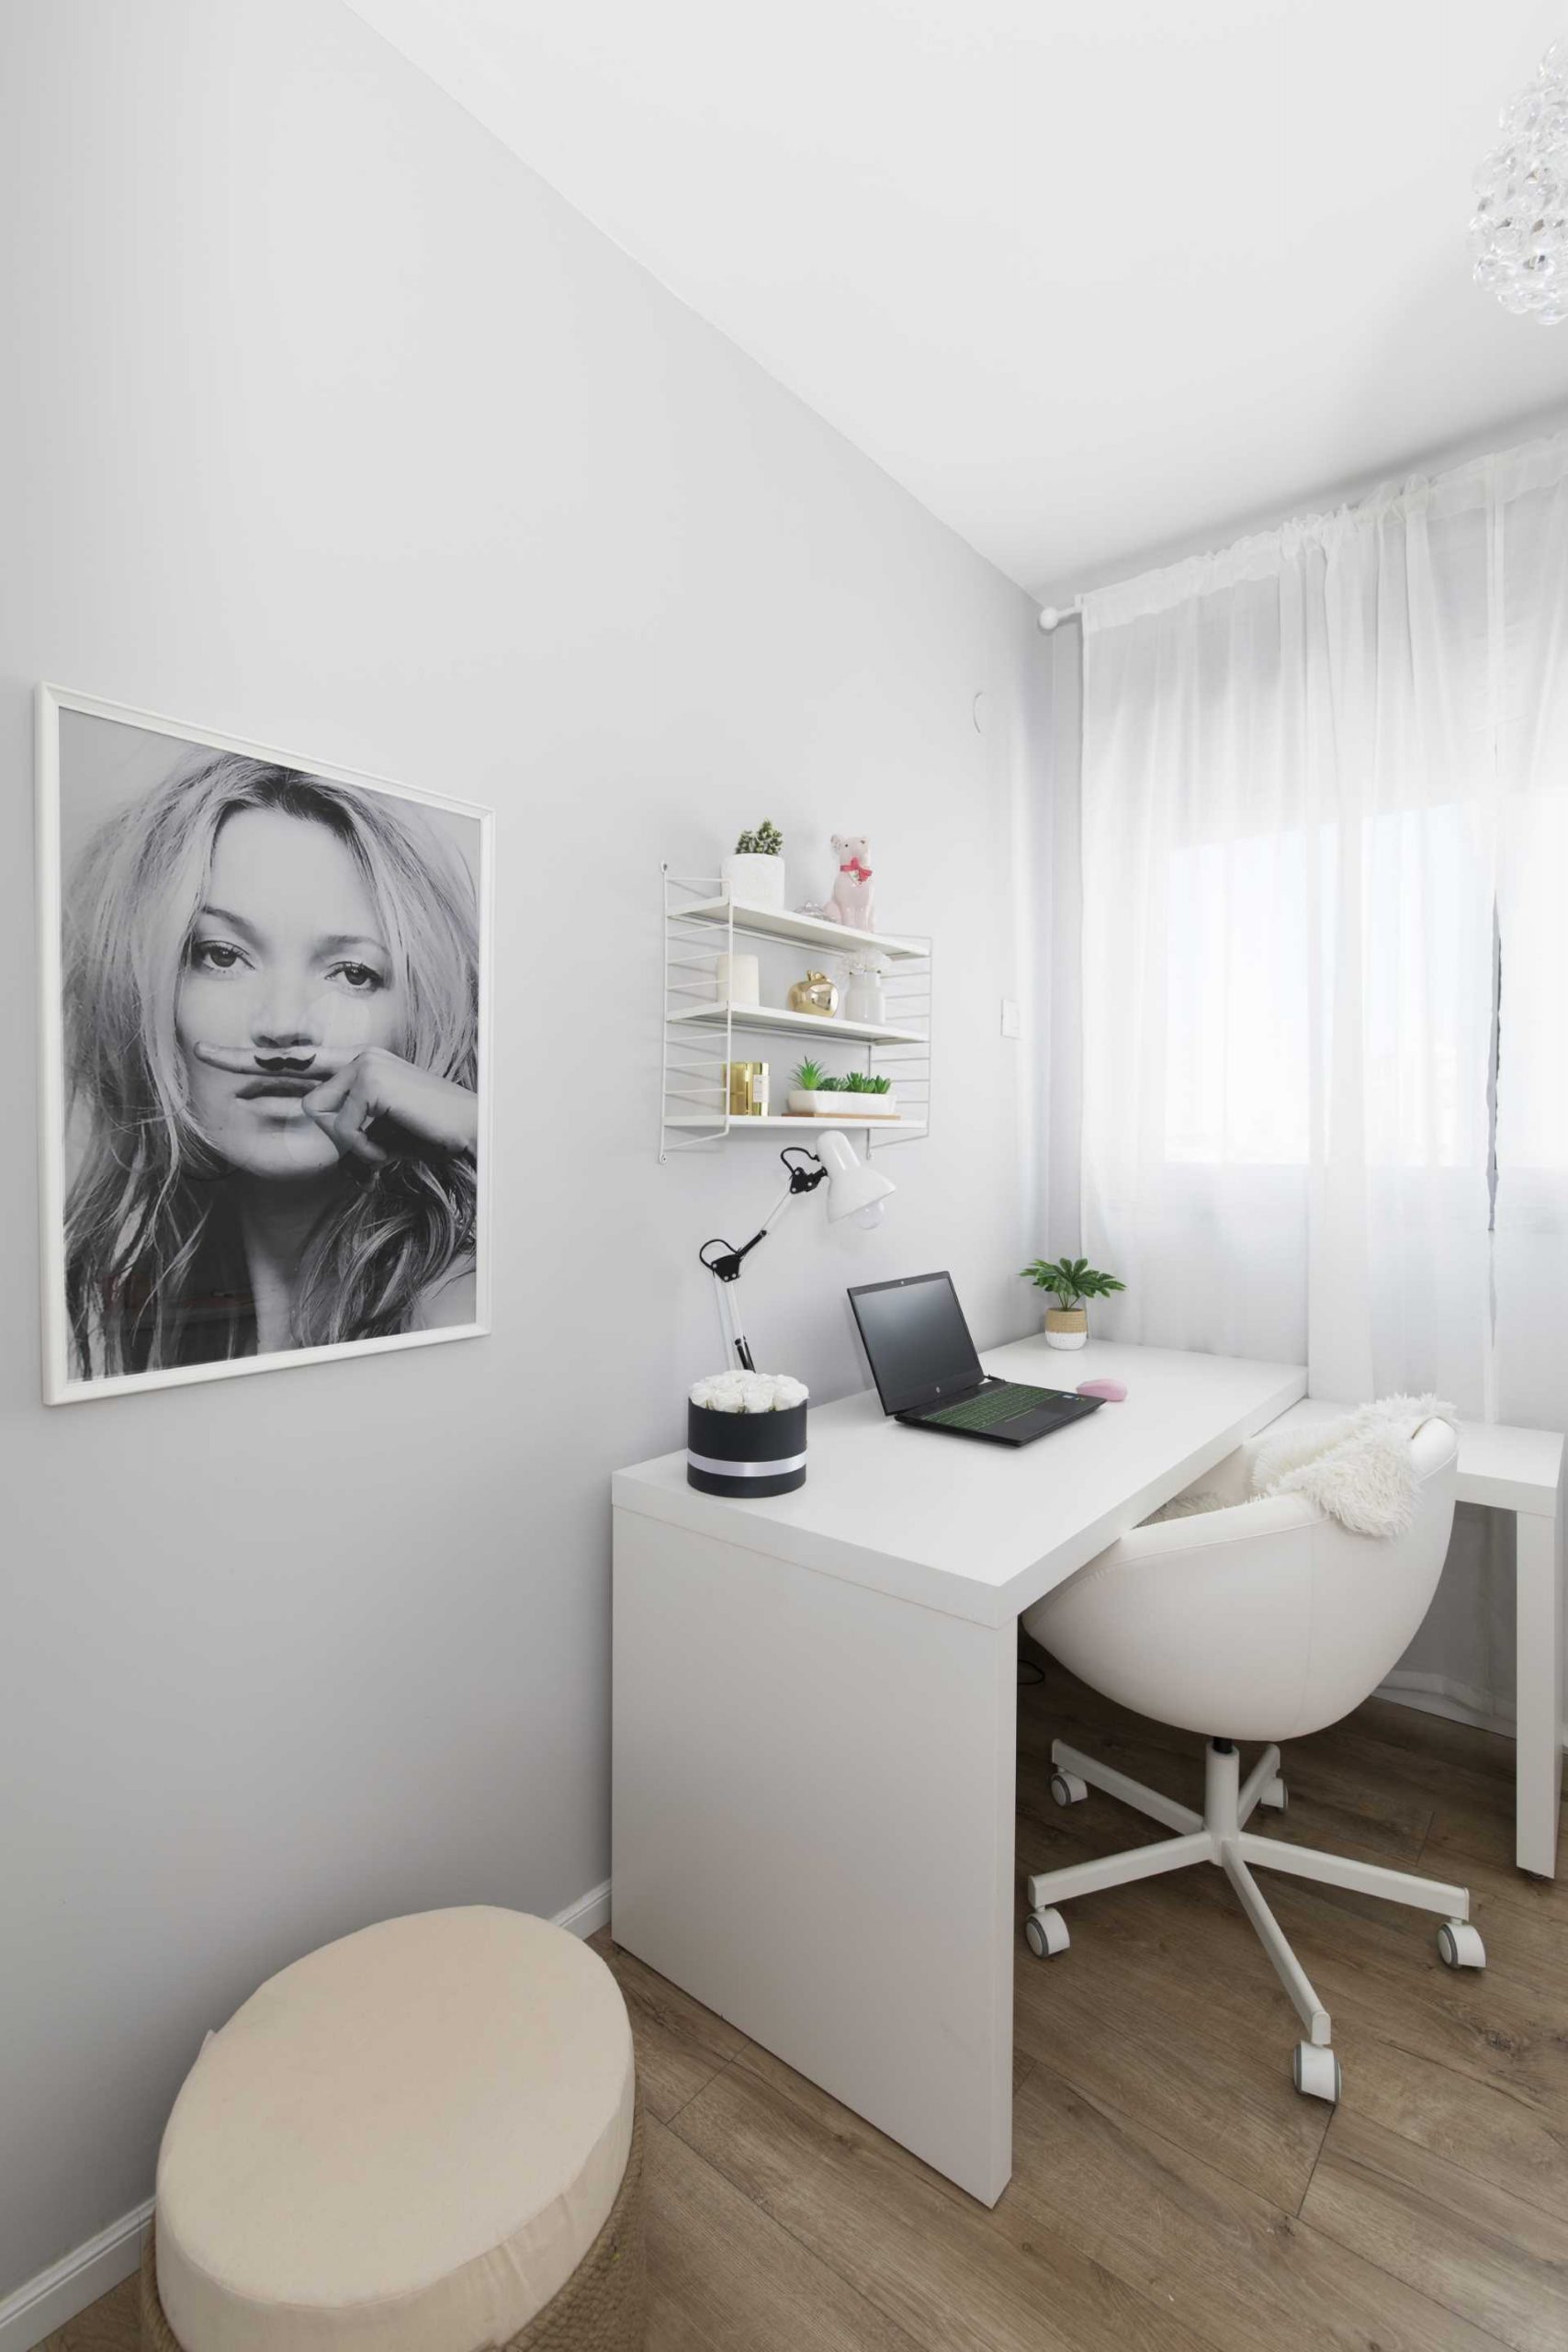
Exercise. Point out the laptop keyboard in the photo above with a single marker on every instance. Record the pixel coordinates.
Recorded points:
(991, 1407)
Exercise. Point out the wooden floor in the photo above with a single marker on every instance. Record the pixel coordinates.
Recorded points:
(1171, 2191)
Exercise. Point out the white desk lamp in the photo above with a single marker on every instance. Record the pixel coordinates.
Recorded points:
(855, 1189)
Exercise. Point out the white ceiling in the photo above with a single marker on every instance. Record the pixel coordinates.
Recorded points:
(1091, 281)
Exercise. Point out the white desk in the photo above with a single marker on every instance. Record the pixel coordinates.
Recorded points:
(814, 1725)
(1521, 1471)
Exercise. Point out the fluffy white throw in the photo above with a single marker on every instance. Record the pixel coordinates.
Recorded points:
(1358, 1469)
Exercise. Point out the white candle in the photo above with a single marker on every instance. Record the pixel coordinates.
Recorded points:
(739, 981)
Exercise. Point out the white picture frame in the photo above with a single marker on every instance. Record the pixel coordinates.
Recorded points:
(63, 1383)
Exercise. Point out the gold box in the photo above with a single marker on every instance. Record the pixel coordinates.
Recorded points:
(748, 1090)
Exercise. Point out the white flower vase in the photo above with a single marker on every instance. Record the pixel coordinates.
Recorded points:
(754, 881)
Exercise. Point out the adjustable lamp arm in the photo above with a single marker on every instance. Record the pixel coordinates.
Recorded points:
(726, 1262)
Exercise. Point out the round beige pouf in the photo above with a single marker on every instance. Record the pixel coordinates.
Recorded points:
(422, 2139)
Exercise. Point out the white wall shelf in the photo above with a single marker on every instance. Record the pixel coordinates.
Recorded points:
(778, 1019)
(700, 1026)
(802, 930)
(800, 1128)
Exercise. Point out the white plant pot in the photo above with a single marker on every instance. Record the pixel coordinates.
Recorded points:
(846, 1108)
(754, 881)
(1066, 1326)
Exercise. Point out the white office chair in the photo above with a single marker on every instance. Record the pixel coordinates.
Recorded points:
(1260, 1620)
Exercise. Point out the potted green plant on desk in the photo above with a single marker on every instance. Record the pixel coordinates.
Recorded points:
(1072, 1280)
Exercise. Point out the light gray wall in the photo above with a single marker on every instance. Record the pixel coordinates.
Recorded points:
(324, 424)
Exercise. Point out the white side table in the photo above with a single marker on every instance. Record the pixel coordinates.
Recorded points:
(1521, 1471)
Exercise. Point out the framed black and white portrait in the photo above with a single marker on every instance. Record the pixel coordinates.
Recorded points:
(264, 1033)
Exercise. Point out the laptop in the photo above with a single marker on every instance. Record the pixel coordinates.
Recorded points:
(923, 1362)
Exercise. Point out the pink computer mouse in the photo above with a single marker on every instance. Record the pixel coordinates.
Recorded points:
(1112, 1390)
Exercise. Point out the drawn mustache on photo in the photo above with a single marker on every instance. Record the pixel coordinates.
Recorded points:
(319, 1062)
(273, 1076)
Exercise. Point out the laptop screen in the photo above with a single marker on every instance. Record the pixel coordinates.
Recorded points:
(916, 1340)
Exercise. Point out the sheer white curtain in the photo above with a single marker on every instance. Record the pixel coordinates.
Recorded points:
(1325, 807)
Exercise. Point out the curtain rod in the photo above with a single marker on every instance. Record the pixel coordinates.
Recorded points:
(1053, 615)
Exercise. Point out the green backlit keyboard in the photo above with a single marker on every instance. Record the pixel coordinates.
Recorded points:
(991, 1407)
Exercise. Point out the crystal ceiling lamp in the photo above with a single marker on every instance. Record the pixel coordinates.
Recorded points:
(1520, 225)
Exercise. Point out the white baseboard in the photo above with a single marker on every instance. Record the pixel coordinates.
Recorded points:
(589, 1912)
(57, 2294)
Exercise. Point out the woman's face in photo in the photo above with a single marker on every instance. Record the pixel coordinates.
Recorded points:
(287, 962)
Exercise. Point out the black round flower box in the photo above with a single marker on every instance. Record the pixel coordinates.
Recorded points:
(748, 1454)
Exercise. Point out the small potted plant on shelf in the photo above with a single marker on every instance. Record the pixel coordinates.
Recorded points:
(1072, 1280)
(754, 874)
(812, 1092)
(869, 1091)
(814, 1095)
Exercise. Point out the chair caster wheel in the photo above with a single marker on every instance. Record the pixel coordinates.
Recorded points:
(1045, 1933)
(1067, 1788)
(1275, 1794)
(1459, 1945)
(1316, 2071)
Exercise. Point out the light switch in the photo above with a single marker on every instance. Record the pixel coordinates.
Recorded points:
(1012, 1018)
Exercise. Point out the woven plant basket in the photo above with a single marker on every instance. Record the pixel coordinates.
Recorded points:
(602, 2308)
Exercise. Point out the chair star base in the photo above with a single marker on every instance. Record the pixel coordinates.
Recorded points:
(1219, 1835)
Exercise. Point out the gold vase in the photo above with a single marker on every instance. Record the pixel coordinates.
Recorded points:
(816, 993)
